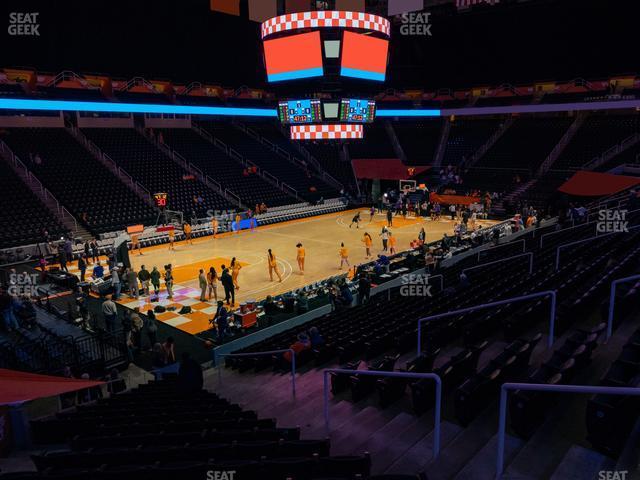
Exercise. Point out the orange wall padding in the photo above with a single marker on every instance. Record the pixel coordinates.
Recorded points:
(455, 199)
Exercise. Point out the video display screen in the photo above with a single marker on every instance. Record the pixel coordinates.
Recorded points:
(292, 57)
(364, 56)
(357, 110)
(299, 111)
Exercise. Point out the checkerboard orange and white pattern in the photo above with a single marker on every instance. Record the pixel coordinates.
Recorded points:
(326, 132)
(326, 19)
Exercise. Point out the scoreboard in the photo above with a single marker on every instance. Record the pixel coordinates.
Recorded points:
(161, 200)
(300, 111)
(357, 110)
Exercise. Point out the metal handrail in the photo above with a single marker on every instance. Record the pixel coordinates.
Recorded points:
(536, 387)
(584, 240)
(612, 300)
(524, 247)
(526, 254)
(521, 298)
(433, 376)
(259, 354)
(542, 237)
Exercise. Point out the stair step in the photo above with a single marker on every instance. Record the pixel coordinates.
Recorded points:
(483, 465)
(462, 448)
(582, 463)
(416, 458)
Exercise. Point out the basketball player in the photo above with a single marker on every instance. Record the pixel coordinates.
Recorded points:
(235, 270)
(392, 244)
(300, 253)
(238, 218)
(135, 243)
(344, 256)
(214, 226)
(372, 213)
(273, 266)
(172, 238)
(355, 220)
(187, 233)
(367, 243)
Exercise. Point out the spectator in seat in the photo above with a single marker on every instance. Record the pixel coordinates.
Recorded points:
(158, 358)
(302, 343)
(136, 329)
(303, 302)
(315, 337)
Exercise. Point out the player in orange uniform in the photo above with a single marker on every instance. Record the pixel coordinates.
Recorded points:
(187, 233)
(273, 266)
(392, 244)
(172, 238)
(300, 257)
(367, 243)
(344, 256)
(214, 226)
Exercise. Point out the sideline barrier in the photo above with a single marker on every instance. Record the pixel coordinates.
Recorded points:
(527, 254)
(612, 300)
(546, 293)
(259, 354)
(433, 376)
(545, 388)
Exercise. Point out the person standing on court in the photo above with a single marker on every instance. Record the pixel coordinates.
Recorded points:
(168, 281)
(273, 266)
(202, 282)
(82, 266)
(115, 283)
(144, 276)
(385, 238)
(155, 280)
(344, 256)
(132, 280)
(227, 284)
(389, 217)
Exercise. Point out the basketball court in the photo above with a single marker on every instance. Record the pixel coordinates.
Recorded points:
(321, 237)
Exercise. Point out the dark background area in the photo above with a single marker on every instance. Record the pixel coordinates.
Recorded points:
(184, 41)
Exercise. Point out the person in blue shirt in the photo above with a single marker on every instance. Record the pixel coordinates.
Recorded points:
(221, 320)
(98, 271)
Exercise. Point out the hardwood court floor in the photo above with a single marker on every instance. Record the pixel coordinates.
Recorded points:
(321, 237)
